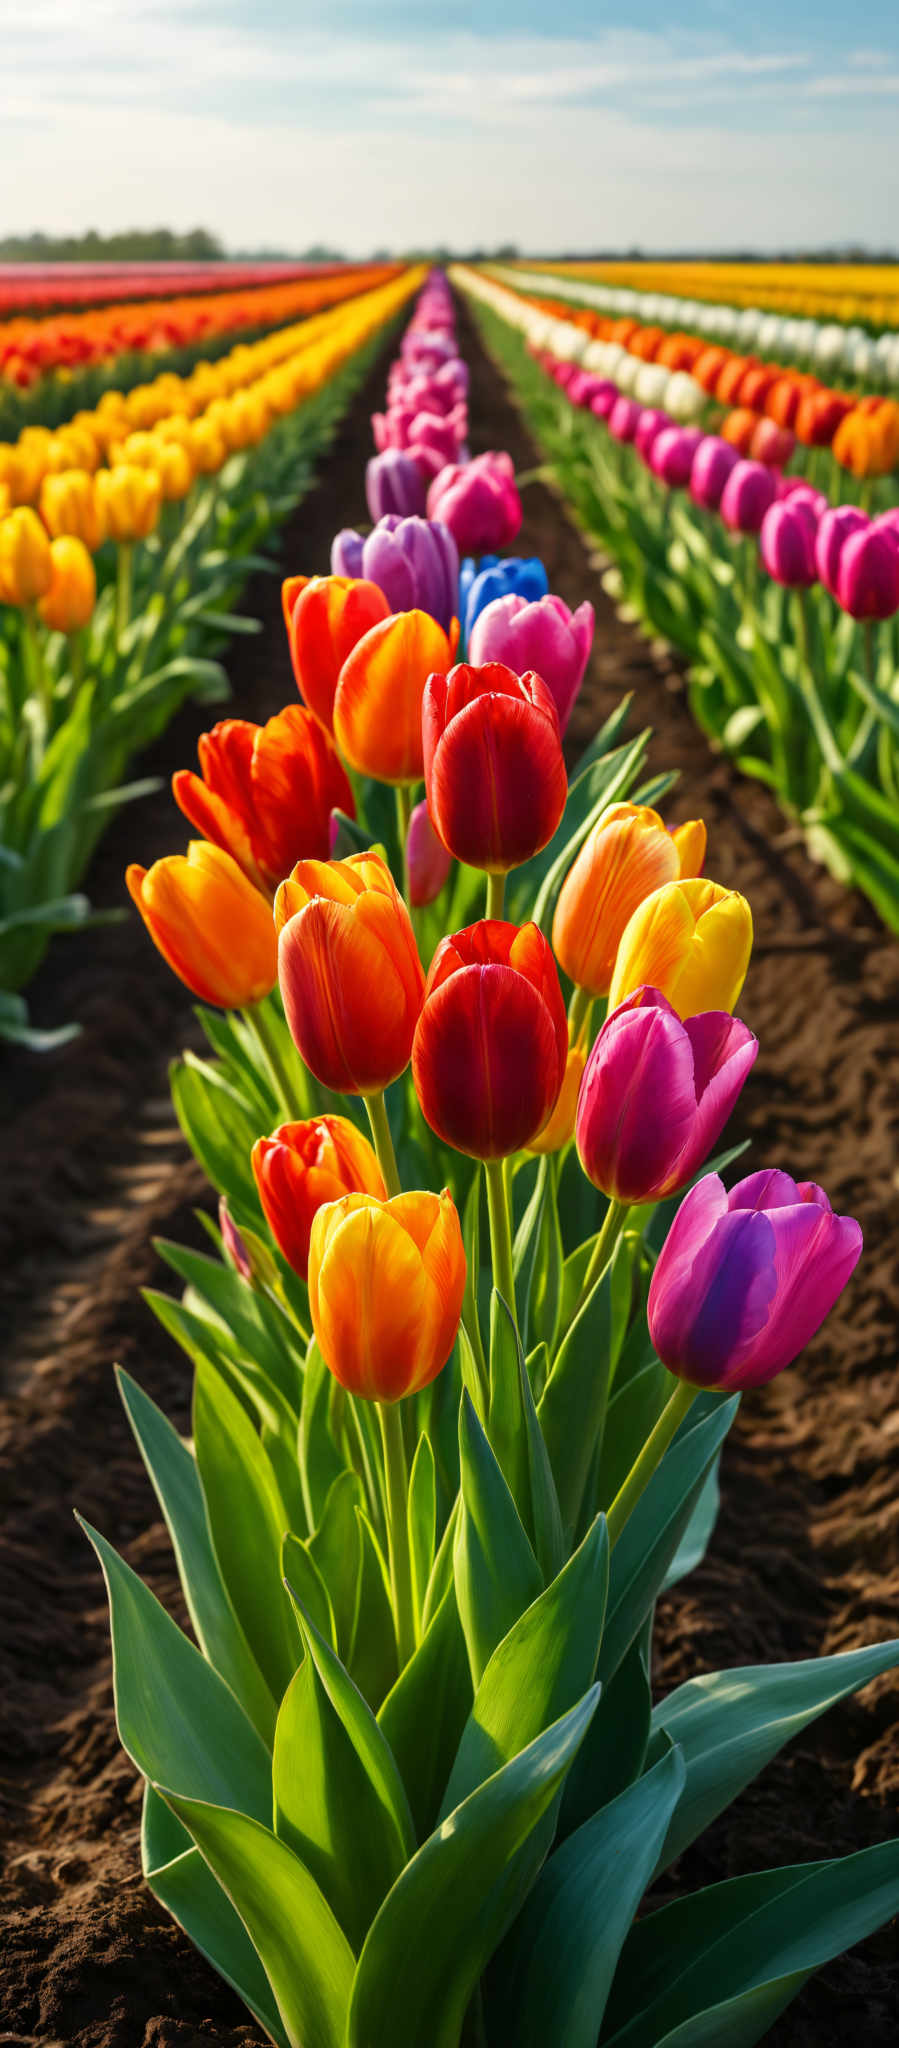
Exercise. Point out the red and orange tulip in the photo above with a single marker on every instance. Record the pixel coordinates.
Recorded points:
(628, 854)
(491, 1046)
(349, 970)
(300, 1168)
(386, 1283)
(267, 792)
(325, 616)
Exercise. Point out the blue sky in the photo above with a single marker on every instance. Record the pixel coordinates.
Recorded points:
(369, 122)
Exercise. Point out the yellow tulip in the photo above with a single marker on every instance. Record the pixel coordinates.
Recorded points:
(692, 941)
(70, 503)
(129, 499)
(386, 1282)
(70, 600)
(26, 567)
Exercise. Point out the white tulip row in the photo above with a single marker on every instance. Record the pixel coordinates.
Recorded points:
(672, 391)
(831, 348)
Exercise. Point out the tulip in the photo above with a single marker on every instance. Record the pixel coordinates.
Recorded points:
(771, 444)
(128, 501)
(349, 970)
(414, 561)
(560, 1128)
(739, 428)
(650, 425)
(267, 792)
(175, 470)
(628, 854)
(787, 542)
(545, 637)
(509, 576)
(656, 1094)
(386, 1284)
(493, 766)
(671, 455)
(427, 861)
(491, 1044)
(378, 701)
(744, 1279)
(209, 923)
(69, 504)
(327, 616)
(691, 940)
(394, 483)
(26, 564)
(478, 502)
(70, 600)
(867, 582)
(604, 397)
(836, 527)
(712, 463)
(303, 1166)
(746, 496)
(624, 418)
(233, 1244)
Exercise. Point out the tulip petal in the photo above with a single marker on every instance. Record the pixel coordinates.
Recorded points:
(706, 1310)
(815, 1253)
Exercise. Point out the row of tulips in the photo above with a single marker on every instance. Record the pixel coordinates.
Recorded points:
(97, 651)
(48, 287)
(862, 432)
(757, 309)
(787, 606)
(405, 1781)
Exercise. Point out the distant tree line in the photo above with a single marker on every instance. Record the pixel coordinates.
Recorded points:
(163, 245)
(134, 245)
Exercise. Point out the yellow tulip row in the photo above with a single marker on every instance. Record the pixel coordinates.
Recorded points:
(142, 448)
(835, 291)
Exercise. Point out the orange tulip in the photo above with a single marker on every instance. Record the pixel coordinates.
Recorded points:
(386, 1283)
(69, 504)
(128, 499)
(628, 854)
(325, 616)
(349, 970)
(303, 1166)
(26, 565)
(690, 940)
(560, 1127)
(377, 705)
(70, 600)
(267, 792)
(209, 923)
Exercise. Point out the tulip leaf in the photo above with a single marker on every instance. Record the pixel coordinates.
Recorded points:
(729, 1724)
(517, 1440)
(698, 1533)
(319, 1458)
(372, 1661)
(247, 1519)
(651, 1535)
(306, 1956)
(613, 1752)
(185, 1886)
(496, 1573)
(454, 1901)
(336, 1551)
(544, 1664)
(578, 1385)
(299, 1567)
(259, 1328)
(220, 1130)
(174, 1713)
(425, 1713)
(554, 1973)
(717, 1967)
(422, 1519)
(175, 1480)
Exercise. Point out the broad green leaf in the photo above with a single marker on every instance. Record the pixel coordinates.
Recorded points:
(319, 1458)
(174, 1713)
(729, 1724)
(363, 1731)
(454, 1901)
(306, 1956)
(572, 1408)
(496, 1573)
(556, 1967)
(540, 1669)
(185, 1886)
(613, 1752)
(258, 1327)
(176, 1483)
(372, 1662)
(219, 1129)
(517, 1440)
(336, 1551)
(298, 1565)
(698, 1533)
(425, 1713)
(248, 1520)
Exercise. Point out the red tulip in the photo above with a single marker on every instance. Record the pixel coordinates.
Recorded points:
(494, 771)
(266, 792)
(491, 1043)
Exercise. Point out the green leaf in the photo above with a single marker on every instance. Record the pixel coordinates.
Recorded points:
(578, 1385)
(454, 1901)
(556, 1967)
(300, 1568)
(517, 1440)
(257, 1326)
(422, 1519)
(219, 1130)
(496, 1573)
(320, 1460)
(306, 1956)
(336, 1550)
(176, 1484)
(698, 1533)
(540, 1669)
(424, 1715)
(174, 1713)
(613, 1752)
(185, 1886)
(372, 1661)
(729, 1724)
(248, 1520)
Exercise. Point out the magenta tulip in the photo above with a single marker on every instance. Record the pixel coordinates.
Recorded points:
(604, 397)
(888, 523)
(624, 418)
(787, 542)
(744, 1279)
(868, 575)
(479, 503)
(835, 529)
(650, 425)
(711, 466)
(746, 496)
(655, 1095)
(544, 636)
(671, 455)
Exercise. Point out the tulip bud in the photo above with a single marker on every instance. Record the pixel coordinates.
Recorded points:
(787, 542)
(26, 564)
(325, 617)
(300, 1168)
(624, 418)
(349, 970)
(744, 1279)
(836, 527)
(233, 1244)
(650, 425)
(771, 444)
(394, 483)
(867, 584)
(70, 600)
(656, 1094)
(545, 637)
(746, 496)
(491, 1044)
(414, 562)
(128, 500)
(494, 772)
(478, 502)
(628, 854)
(427, 861)
(210, 924)
(712, 463)
(386, 1285)
(671, 455)
(604, 398)
(174, 468)
(691, 940)
(378, 700)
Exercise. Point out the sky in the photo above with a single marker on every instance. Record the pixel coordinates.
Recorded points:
(379, 123)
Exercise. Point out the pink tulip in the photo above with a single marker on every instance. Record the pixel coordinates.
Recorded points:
(624, 418)
(479, 503)
(650, 425)
(868, 575)
(671, 455)
(427, 861)
(835, 529)
(544, 636)
(746, 496)
(787, 542)
(711, 466)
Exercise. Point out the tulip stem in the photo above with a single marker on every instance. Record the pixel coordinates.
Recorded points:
(579, 1010)
(403, 793)
(613, 1223)
(262, 1026)
(501, 1234)
(397, 1488)
(39, 682)
(496, 895)
(124, 562)
(380, 1130)
(650, 1457)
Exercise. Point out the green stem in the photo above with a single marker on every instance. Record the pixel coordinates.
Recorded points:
(124, 563)
(612, 1225)
(579, 1013)
(264, 1029)
(40, 684)
(650, 1457)
(397, 1527)
(496, 895)
(501, 1234)
(76, 656)
(403, 795)
(383, 1142)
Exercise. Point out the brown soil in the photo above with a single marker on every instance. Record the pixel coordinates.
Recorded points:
(806, 1554)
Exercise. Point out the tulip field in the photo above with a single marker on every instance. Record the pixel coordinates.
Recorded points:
(449, 977)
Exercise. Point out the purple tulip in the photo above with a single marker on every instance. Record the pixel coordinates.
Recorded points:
(346, 552)
(545, 636)
(650, 425)
(624, 418)
(394, 483)
(414, 562)
(746, 496)
(604, 397)
(479, 503)
(787, 542)
(671, 455)
(427, 861)
(655, 1095)
(744, 1279)
(867, 584)
(712, 464)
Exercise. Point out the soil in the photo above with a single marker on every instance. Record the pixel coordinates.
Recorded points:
(805, 1557)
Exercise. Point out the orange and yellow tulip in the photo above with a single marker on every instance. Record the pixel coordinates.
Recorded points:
(70, 600)
(560, 1127)
(267, 792)
(26, 565)
(377, 704)
(628, 854)
(210, 924)
(303, 1166)
(325, 616)
(349, 970)
(690, 940)
(70, 504)
(386, 1283)
(129, 501)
